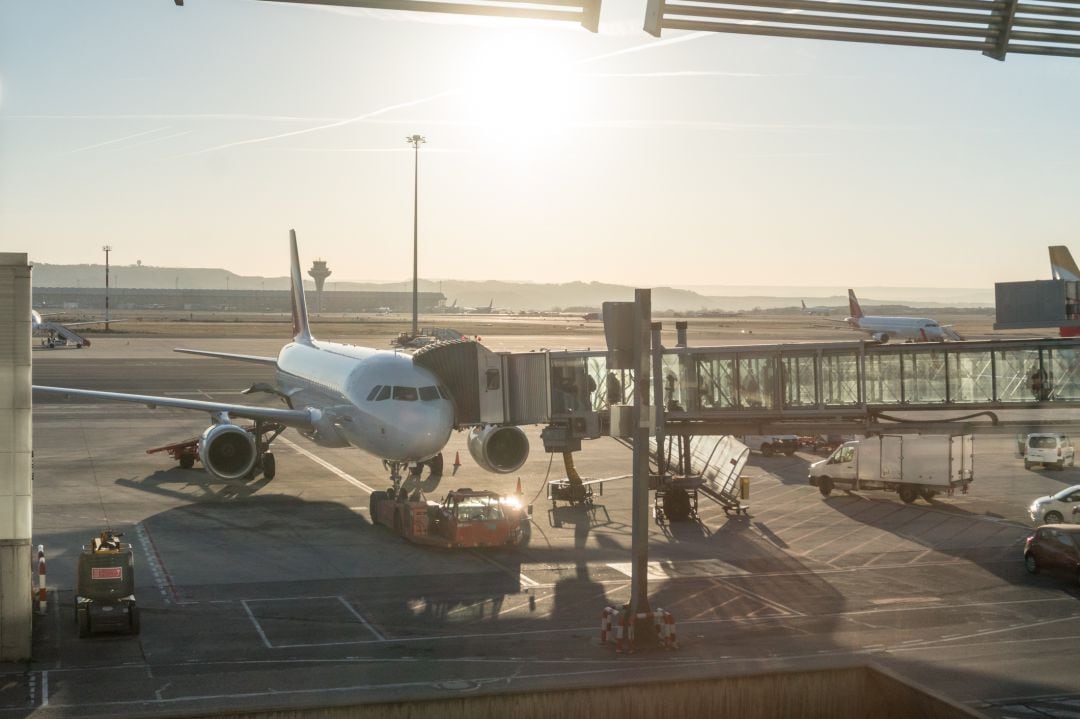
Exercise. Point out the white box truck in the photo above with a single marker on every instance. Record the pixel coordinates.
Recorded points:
(911, 465)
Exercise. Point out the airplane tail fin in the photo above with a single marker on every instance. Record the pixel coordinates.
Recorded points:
(301, 328)
(853, 304)
(1062, 264)
(803, 303)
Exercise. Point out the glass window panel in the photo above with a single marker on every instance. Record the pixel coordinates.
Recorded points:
(716, 382)
(1064, 375)
(924, 377)
(756, 381)
(882, 380)
(799, 381)
(675, 399)
(405, 394)
(570, 390)
(384, 393)
(429, 394)
(374, 392)
(1016, 374)
(970, 377)
(840, 378)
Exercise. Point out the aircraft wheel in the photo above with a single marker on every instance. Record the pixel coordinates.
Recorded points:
(269, 465)
(187, 461)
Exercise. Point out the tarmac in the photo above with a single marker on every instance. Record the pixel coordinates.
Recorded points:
(282, 594)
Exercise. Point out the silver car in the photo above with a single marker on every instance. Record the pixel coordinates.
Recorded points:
(1063, 507)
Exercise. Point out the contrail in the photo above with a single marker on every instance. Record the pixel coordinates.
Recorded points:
(119, 139)
(327, 126)
(158, 139)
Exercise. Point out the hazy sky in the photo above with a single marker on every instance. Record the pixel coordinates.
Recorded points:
(198, 136)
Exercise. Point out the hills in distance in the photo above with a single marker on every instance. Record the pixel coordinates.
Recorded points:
(526, 296)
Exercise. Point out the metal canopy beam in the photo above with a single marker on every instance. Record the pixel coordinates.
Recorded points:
(993, 27)
(586, 12)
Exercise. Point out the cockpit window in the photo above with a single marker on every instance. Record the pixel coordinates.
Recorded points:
(429, 394)
(384, 393)
(443, 393)
(374, 391)
(406, 394)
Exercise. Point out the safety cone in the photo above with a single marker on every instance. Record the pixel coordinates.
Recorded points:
(457, 463)
(518, 490)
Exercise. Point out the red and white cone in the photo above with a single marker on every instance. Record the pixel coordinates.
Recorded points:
(42, 594)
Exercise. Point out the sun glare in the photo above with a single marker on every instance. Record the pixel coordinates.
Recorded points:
(519, 85)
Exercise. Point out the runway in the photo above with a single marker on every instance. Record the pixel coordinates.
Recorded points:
(283, 593)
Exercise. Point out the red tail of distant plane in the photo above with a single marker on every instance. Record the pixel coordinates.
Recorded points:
(1063, 267)
(853, 305)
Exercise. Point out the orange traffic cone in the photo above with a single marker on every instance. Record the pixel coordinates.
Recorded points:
(457, 463)
(518, 491)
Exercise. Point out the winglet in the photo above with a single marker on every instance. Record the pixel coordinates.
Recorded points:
(1062, 264)
(301, 329)
(853, 304)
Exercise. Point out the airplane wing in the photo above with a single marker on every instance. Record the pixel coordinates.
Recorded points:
(257, 359)
(300, 418)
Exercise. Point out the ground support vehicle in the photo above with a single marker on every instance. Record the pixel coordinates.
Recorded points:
(105, 592)
(574, 491)
(911, 465)
(676, 497)
(770, 444)
(1051, 450)
(465, 518)
(187, 451)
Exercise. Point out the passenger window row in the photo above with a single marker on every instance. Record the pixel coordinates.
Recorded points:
(430, 393)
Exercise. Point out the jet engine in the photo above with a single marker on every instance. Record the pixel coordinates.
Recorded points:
(227, 451)
(880, 337)
(498, 448)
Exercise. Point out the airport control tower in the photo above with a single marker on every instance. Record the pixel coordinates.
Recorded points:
(319, 272)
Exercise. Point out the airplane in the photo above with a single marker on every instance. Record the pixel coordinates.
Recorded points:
(1063, 267)
(337, 395)
(482, 310)
(451, 309)
(819, 310)
(882, 329)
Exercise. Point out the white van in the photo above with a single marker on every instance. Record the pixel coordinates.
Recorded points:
(1049, 449)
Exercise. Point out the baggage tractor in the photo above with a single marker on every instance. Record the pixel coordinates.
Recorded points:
(105, 594)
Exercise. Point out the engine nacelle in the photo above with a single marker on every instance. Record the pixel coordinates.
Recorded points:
(880, 337)
(498, 448)
(227, 451)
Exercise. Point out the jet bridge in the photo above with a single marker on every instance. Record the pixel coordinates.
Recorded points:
(999, 386)
(986, 386)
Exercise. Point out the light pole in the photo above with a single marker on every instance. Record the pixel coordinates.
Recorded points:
(107, 249)
(415, 141)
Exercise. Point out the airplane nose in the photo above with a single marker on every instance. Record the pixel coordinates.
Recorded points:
(423, 434)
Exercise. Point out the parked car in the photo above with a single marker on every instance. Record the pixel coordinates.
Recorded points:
(1054, 548)
(1060, 508)
(1049, 449)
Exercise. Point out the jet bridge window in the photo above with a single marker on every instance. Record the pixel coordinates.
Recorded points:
(374, 392)
(429, 394)
(405, 394)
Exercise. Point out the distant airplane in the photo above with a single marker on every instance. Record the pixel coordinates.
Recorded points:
(1063, 267)
(383, 310)
(819, 310)
(482, 310)
(451, 309)
(882, 329)
(338, 395)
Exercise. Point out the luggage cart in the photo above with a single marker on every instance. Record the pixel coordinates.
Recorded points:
(105, 593)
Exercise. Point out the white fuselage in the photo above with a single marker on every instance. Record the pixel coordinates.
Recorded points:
(918, 329)
(412, 423)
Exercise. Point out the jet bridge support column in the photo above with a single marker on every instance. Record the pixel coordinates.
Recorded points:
(639, 533)
(15, 448)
